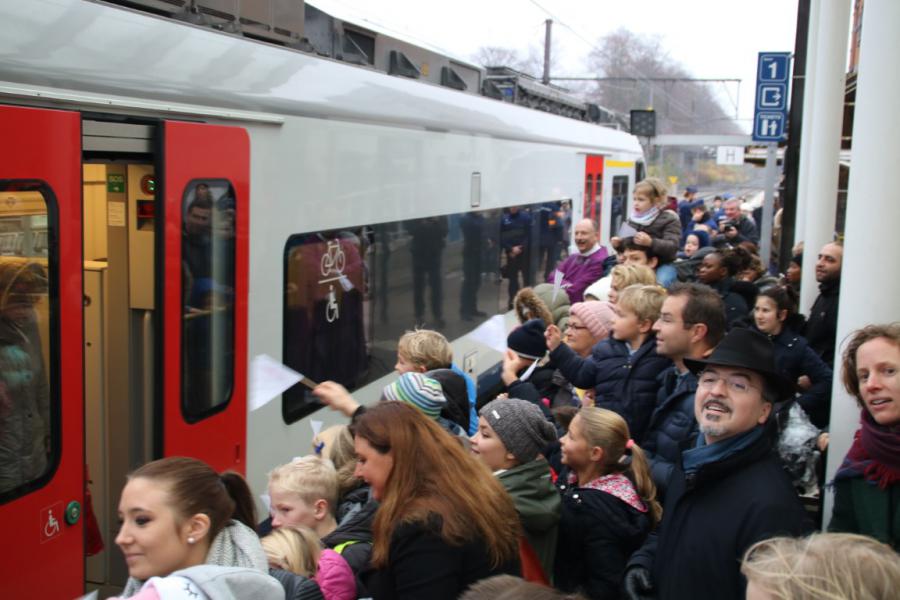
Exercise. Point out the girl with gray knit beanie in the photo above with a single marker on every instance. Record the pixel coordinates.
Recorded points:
(512, 435)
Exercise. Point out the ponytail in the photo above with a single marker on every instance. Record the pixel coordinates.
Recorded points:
(244, 507)
(639, 470)
(608, 430)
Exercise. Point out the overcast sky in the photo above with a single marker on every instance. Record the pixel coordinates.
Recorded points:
(710, 38)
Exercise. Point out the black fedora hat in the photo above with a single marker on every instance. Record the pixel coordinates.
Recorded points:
(746, 349)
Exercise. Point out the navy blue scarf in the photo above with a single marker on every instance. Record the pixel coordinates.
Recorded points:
(703, 454)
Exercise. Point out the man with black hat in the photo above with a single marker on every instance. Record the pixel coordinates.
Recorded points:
(730, 491)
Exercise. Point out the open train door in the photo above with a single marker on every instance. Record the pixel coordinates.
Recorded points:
(206, 187)
(41, 398)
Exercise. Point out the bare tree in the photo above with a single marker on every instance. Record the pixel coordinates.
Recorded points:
(681, 106)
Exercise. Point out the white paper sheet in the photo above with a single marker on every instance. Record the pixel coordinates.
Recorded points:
(268, 379)
(557, 284)
(626, 230)
(492, 333)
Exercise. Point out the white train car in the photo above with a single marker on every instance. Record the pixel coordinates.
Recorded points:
(176, 201)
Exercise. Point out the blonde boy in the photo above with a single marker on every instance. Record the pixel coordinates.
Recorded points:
(304, 492)
(623, 368)
(637, 309)
(423, 350)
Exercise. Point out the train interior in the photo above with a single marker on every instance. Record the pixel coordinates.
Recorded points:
(119, 321)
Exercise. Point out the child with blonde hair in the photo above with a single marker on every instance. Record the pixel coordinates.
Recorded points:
(297, 550)
(657, 228)
(822, 566)
(609, 504)
(622, 369)
(425, 350)
(304, 492)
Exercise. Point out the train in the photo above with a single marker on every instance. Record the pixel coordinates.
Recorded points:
(177, 202)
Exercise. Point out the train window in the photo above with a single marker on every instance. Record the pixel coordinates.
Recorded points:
(29, 395)
(619, 204)
(351, 293)
(207, 253)
(639, 172)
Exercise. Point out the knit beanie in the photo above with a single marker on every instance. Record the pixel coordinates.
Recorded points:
(528, 340)
(418, 391)
(596, 316)
(520, 425)
(599, 290)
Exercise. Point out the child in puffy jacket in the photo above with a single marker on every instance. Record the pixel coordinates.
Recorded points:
(623, 368)
(297, 549)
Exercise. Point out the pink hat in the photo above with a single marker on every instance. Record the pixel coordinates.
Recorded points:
(596, 316)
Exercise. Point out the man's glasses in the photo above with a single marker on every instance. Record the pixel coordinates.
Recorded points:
(735, 383)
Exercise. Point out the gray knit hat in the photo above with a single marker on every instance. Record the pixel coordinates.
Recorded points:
(520, 425)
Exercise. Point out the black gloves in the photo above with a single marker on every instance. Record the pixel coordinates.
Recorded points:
(638, 585)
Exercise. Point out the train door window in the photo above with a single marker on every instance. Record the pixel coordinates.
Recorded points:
(207, 346)
(588, 196)
(619, 204)
(639, 172)
(29, 400)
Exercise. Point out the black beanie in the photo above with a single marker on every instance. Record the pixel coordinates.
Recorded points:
(528, 340)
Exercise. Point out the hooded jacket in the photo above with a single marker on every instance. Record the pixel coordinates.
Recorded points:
(597, 534)
(235, 546)
(624, 382)
(297, 587)
(538, 503)
(794, 358)
(353, 540)
(211, 582)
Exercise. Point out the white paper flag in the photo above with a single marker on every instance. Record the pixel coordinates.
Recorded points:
(557, 284)
(492, 333)
(268, 379)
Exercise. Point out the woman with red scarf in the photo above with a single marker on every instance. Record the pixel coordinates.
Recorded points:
(867, 497)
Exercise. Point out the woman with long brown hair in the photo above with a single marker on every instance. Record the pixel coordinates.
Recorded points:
(444, 521)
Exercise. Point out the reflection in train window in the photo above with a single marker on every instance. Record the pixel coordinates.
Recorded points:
(588, 197)
(207, 253)
(29, 404)
(351, 293)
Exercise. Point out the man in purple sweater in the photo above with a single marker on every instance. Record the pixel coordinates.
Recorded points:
(583, 268)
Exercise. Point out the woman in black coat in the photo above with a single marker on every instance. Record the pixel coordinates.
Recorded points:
(775, 314)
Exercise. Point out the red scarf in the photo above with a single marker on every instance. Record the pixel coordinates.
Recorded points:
(874, 455)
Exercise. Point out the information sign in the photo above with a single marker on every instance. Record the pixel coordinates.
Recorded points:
(772, 83)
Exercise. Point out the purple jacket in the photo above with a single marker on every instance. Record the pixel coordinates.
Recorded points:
(579, 272)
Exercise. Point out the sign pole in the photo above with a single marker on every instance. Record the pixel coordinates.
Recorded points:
(765, 234)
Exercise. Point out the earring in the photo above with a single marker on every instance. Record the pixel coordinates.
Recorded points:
(191, 540)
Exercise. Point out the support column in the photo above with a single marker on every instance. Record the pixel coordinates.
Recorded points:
(822, 150)
(808, 109)
(869, 283)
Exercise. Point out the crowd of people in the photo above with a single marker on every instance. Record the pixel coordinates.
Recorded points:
(650, 436)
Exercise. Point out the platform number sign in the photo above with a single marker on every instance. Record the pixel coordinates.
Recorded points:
(773, 74)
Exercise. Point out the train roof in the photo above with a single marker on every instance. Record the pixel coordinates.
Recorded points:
(94, 48)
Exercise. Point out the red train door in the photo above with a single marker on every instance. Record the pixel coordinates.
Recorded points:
(41, 398)
(206, 187)
(593, 188)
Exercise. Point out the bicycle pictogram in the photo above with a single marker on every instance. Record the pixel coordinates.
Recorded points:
(333, 261)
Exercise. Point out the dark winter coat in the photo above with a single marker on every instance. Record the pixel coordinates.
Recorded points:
(537, 504)
(666, 233)
(795, 358)
(297, 587)
(712, 516)
(353, 540)
(821, 327)
(673, 426)
(862, 507)
(625, 383)
(422, 566)
(597, 534)
(736, 297)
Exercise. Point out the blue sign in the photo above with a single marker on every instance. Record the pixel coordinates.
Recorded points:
(773, 74)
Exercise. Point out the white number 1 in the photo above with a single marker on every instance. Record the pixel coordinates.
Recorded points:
(773, 68)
